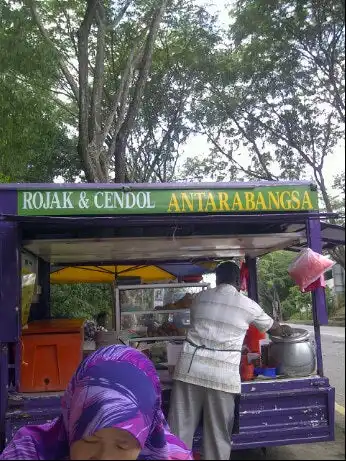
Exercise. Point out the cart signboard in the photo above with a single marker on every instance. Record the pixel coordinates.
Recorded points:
(98, 201)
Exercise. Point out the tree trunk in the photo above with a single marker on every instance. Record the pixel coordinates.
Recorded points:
(120, 159)
(122, 136)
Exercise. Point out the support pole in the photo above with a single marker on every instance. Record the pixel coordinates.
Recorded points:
(319, 305)
(252, 285)
(10, 288)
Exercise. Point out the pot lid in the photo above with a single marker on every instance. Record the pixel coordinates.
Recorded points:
(299, 334)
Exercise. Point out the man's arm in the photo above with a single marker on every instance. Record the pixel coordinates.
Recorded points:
(263, 322)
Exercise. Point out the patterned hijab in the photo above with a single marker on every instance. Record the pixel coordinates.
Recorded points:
(116, 386)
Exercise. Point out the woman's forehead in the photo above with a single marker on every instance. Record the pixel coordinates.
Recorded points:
(115, 433)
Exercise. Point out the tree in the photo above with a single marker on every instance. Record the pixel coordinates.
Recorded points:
(275, 105)
(80, 300)
(34, 145)
(274, 280)
(338, 204)
(112, 58)
(182, 57)
(88, 34)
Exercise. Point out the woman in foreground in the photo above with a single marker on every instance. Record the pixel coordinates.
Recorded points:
(111, 410)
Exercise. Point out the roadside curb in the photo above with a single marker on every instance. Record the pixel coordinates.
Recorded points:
(331, 322)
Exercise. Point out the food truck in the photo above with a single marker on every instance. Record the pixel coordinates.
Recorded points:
(151, 241)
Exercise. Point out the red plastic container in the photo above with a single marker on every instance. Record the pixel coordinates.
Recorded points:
(247, 370)
(51, 352)
(252, 339)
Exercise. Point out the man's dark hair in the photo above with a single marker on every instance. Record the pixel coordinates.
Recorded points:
(228, 272)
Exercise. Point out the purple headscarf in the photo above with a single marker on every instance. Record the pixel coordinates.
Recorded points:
(116, 386)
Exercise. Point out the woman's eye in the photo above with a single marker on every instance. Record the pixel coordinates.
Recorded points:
(122, 446)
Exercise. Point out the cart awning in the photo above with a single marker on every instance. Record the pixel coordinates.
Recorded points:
(147, 274)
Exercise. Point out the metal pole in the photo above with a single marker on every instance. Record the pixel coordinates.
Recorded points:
(319, 305)
(117, 310)
(3, 391)
(252, 284)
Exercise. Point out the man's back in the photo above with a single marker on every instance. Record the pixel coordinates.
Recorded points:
(220, 318)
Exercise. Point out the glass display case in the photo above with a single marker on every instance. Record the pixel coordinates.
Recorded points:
(155, 312)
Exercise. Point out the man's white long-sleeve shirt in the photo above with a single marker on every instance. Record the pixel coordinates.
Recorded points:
(220, 318)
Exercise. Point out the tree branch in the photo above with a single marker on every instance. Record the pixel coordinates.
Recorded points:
(144, 69)
(97, 91)
(64, 69)
(83, 61)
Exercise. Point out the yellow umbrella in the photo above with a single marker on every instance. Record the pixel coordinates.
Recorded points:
(108, 274)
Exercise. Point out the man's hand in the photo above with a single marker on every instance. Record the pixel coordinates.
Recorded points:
(286, 330)
(280, 330)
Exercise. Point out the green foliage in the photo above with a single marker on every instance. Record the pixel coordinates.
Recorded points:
(40, 111)
(274, 282)
(87, 301)
(34, 144)
(275, 105)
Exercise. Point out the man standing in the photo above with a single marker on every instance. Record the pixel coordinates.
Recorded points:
(207, 374)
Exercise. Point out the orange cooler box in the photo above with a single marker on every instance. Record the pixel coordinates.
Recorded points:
(51, 352)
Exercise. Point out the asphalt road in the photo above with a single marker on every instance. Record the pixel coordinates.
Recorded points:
(333, 349)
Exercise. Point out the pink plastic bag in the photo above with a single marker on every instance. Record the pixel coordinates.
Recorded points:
(308, 267)
(316, 284)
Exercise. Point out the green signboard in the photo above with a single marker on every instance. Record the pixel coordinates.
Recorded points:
(62, 202)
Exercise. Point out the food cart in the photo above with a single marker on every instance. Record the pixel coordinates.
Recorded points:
(167, 226)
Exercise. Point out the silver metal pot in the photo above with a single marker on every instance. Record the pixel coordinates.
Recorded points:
(294, 356)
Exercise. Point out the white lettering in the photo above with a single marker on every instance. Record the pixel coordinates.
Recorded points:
(148, 201)
(141, 200)
(118, 201)
(38, 200)
(67, 199)
(55, 203)
(127, 200)
(46, 201)
(108, 199)
(27, 201)
(96, 202)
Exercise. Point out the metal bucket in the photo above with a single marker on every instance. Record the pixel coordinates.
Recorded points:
(294, 356)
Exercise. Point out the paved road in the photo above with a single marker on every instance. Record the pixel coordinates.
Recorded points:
(333, 349)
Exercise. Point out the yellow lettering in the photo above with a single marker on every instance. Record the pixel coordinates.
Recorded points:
(200, 196)
(295, 200)
(187, 200)
(237, 202)
(173, 204)
(306, 203)
(250, 204)
(261, 202)
(210, 202)
(223, 199)
(273, 200)
(286, 203)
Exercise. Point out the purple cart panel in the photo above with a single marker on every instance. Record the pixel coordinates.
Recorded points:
(286, 417)
(269, 416)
